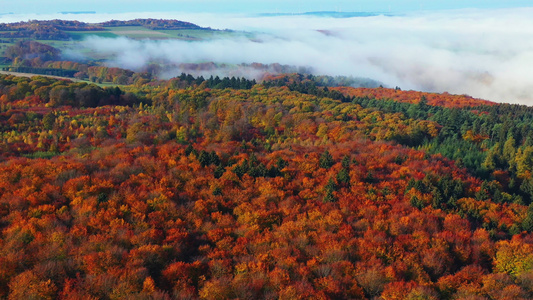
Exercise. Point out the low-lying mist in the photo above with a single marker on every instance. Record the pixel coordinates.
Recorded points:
(483, 53)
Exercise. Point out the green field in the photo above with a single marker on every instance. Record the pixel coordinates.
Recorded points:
(137, 32)
(81, 35)
(4, 46)
(200, 34)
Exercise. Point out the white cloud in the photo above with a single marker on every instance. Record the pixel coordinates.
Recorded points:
(483, 53)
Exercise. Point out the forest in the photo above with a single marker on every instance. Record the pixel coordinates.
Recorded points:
(288, 188)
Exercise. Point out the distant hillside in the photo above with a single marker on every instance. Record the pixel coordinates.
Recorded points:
(154, 24)
(444, 99)
(58, 29)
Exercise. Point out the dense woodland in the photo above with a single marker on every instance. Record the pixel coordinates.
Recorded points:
(220, 188)
(31, 50)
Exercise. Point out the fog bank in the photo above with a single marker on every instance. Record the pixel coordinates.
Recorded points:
(483, 53)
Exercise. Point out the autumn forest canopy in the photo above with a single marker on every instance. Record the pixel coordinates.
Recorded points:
(117, 184)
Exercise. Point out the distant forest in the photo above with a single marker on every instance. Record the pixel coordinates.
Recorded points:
(55, 29)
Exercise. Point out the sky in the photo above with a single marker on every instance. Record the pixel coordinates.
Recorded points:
(248, 6)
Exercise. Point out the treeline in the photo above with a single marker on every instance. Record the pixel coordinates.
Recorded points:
(36, 33)
(59, 24)
(44, 30)
(154, 24)
(398, 95)
(55, 29)
(243, 69)
(319, 80)
(218, 83)
(30, 50)
(187, 80)
(306, 84)
(42, 71)
(54, 93)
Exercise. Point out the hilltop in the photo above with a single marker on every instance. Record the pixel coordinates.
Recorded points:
(66, 30)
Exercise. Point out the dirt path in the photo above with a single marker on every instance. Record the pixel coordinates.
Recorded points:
(32, 74)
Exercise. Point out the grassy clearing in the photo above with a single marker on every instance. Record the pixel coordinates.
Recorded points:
(2, 50)
(57, 44)
(137, 32)
(200, 34)
(182, 33)
(127, 28)
(104, 84)
(81, 35)
(5, 43)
